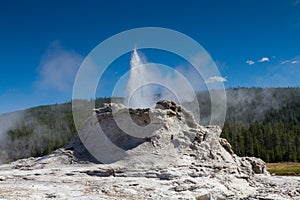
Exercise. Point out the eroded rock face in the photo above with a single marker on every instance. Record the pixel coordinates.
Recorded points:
(173, 134)
(167, 155)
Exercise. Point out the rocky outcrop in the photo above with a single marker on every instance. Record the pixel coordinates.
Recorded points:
(167, 156)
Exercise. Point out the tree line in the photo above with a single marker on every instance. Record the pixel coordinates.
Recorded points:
(260, 122)
(274, 135)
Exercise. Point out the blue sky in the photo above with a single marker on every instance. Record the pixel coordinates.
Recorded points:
(42, 43)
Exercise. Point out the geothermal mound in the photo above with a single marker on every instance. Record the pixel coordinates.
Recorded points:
(168, 155)
(172, 137)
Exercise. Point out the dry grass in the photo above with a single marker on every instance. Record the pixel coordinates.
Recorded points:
(284, 169)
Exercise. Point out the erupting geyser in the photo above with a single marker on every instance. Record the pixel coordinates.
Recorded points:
(138, 94)
(151, 82)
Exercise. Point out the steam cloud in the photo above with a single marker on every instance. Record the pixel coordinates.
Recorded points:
(150, 82)
(8, 121)
(58, 69)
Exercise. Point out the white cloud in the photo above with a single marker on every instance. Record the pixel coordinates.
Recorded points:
(250, 62)
(57, 69)
(214, 79)
(264, 59)
(279, 76)
(295, 62)
(285, 61)
(289, 61)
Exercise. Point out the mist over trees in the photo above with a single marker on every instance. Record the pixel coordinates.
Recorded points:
(40, 130)
(260, 122)
(264, 123)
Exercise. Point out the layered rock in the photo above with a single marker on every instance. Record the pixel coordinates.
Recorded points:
(173, 137)
(167, 155)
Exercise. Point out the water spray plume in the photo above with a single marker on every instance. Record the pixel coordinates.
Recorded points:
(138, 94)
(151, 82)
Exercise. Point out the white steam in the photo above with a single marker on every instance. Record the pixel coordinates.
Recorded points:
(7, 122)
(149, 82)
(58, 69)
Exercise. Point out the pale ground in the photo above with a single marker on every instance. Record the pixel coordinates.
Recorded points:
(179, 160)
(89, 181)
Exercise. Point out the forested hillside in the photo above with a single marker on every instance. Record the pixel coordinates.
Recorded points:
(260, 122)
(267, 126)
(38, 131)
